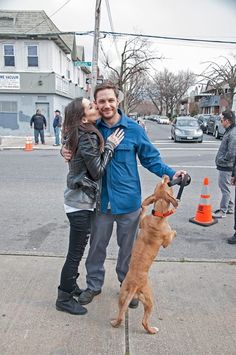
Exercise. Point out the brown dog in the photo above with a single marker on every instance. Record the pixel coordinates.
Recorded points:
(154, 233)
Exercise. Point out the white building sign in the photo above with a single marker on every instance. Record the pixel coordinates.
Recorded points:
(9, 81)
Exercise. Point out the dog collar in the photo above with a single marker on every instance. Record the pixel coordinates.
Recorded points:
(165, 214)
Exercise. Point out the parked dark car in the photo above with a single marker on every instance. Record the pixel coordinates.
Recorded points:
(210, 124)
(214, 126)
(218, 128)
(202, 120)
(186, 129)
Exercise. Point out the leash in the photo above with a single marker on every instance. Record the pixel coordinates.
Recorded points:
(182, 182)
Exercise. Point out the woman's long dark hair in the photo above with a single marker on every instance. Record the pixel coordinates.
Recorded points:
(74, 112)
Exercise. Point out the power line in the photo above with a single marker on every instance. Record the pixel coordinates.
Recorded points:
(125, 34)
(112, 27)
(54, 13)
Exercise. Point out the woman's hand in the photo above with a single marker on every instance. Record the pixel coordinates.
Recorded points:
(66, 153)
(116, 137)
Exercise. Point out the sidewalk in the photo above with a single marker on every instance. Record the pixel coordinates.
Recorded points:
(195, 310)
(15, 142)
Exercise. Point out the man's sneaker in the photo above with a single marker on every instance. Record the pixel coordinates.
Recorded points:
(88, 295)
(77, 291)
(219, 214)
(134, 303)
(232, 240)
(230, 212)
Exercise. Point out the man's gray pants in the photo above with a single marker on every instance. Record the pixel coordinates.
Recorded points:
(226, 202)
(101, 231)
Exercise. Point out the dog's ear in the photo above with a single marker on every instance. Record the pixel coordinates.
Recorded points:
(149, 200)
(171, 199)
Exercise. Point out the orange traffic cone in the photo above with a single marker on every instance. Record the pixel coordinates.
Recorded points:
(28, 144)
(203, 215)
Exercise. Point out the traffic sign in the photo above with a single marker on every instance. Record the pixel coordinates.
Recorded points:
(78, 63)
(89, 81)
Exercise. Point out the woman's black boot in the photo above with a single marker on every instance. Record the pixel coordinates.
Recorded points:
(77, 290)
(66, 302)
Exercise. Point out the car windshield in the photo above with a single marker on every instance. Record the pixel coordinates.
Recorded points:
(187, 122)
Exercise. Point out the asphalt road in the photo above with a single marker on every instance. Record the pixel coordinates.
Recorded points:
(32, 217)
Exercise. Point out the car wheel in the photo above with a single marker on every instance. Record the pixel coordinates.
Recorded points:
(217, 136)
(175, 139)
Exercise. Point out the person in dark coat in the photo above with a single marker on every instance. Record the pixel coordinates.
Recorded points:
(224, 163)
(39, 122)
(232, 240)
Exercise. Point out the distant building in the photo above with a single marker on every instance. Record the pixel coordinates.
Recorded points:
(205, 99)
(37, 70)
(214, 101)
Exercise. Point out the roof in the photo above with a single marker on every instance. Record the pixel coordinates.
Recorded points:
(32, 24)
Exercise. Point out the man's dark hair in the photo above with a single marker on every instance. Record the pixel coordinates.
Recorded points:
(229, 115)
(58, 111)
(106, 85)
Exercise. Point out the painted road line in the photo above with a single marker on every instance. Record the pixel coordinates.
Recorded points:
(188, 149)
(188, 166)
(171, 142)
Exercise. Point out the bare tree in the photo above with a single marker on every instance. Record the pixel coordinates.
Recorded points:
(136, 59)
(166, 89)
(219, 75)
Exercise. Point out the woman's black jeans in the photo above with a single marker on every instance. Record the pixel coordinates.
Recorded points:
(80, 226)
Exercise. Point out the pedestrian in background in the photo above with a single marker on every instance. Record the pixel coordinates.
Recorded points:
(224, 164)
(90, 156)
(39, 122)
(57, 122)
(232, 240)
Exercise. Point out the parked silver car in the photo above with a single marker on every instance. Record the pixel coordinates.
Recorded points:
(218, 128)
(186, 129)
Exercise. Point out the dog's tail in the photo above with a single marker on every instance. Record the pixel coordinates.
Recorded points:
(129, 298)
(123, 306)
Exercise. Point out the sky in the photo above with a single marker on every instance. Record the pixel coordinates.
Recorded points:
(202, 19)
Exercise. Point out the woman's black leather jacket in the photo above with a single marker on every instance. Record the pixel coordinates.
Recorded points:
(88, 165)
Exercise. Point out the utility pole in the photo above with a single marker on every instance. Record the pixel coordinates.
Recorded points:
(95, 47)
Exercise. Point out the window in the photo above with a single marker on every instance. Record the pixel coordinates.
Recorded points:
(8, 114)
(32, 56)
(9, 55)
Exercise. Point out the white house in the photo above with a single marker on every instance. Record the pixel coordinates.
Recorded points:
(37, 70)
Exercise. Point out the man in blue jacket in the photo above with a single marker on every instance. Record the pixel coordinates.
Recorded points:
(121, 191)
(57, 122)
